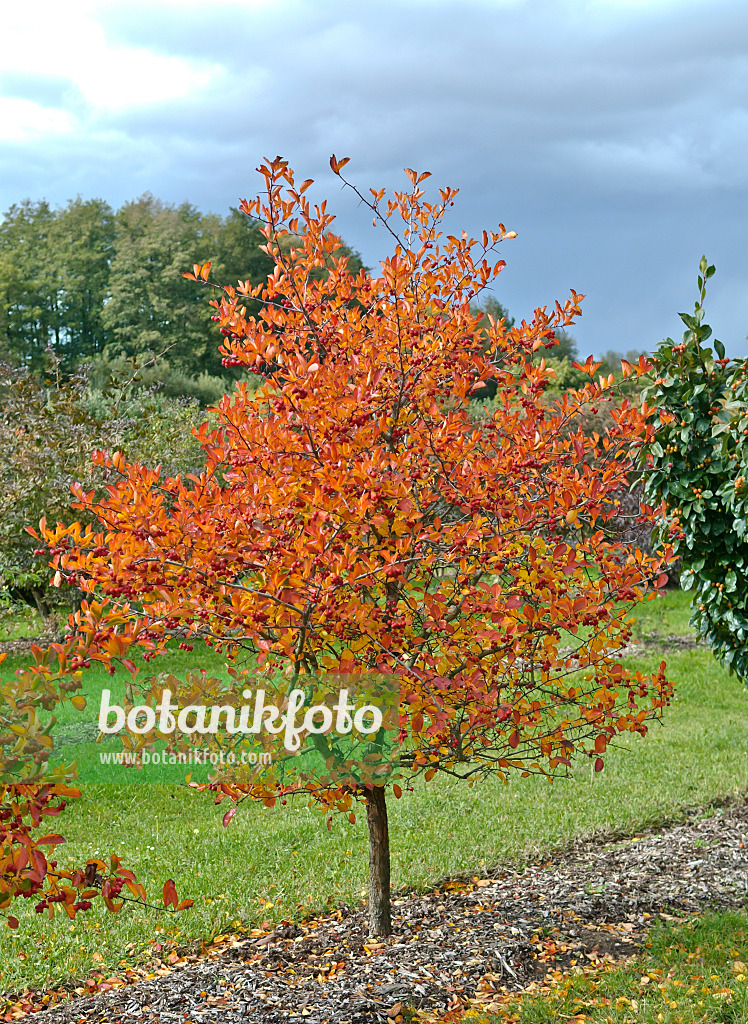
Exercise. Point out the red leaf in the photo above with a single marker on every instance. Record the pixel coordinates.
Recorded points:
(170, 894)
(50, 840)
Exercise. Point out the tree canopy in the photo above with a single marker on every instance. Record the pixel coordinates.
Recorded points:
(354, 521)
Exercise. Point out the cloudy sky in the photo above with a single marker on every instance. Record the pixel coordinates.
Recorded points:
(612, 135)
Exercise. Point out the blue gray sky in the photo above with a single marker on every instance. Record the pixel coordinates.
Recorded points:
(611, 135)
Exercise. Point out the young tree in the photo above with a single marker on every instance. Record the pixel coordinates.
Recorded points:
(353, 519)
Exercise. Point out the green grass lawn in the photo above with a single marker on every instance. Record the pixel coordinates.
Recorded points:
(270, 865)
(687, 974)
(662, 617)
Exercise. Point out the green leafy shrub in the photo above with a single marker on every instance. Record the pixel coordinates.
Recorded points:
(698, 464)
(49, 431)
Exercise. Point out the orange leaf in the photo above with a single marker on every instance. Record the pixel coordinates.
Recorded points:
(336, 164)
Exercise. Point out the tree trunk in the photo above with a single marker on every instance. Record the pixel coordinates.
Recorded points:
(41, 605)
(34, 598)
(380, 912)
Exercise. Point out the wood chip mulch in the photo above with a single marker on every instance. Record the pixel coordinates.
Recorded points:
(23, 644)
(464, 944)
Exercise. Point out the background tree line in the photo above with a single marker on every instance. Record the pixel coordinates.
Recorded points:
(103, 287)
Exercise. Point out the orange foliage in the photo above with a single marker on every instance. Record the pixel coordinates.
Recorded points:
(354, 518)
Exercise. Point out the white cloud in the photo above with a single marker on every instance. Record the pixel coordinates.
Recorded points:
(24, 121)
(52, 39)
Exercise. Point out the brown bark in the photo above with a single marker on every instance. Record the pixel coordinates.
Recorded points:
(380, 911)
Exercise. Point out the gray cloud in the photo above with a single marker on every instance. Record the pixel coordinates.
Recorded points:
(613, 138)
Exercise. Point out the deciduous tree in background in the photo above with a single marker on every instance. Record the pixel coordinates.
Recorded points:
(150, 305)
(29, 307)
(47, 438)
(354, 519)
(49, 431)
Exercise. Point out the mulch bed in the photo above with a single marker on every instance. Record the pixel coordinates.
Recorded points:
(23, 644)
(467, 943)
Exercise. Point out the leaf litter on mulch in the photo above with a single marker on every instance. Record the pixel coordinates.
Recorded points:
(467, 944)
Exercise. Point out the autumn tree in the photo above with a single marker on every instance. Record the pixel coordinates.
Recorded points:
(353, 520)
